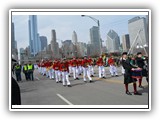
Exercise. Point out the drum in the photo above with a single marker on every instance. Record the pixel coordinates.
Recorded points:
(137, 74)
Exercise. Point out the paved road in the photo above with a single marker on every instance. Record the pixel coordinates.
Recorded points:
(110, 91)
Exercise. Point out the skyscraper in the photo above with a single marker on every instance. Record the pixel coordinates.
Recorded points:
(95, 40)
(125, 42)
(54, 45)
(67, 49)
(13, 42)
(113, 41)
(137, 27)
(43, 41)
(12, 37)
(74, 38)
(34, 41)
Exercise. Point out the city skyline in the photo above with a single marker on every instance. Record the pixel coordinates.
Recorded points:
(66, 24)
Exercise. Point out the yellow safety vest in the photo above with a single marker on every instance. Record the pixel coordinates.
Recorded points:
(25, 67)
(17, 67)
(30, 67)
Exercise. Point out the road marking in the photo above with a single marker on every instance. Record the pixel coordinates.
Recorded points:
(64, 99)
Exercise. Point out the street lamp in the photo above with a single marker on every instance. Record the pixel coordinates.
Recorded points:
(96, 20)
(98, 23)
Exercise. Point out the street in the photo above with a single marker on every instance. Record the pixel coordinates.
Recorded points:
(109, 91)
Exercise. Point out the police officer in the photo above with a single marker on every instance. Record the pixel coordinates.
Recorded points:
(18, 72)
(25, 71)
(30, 70)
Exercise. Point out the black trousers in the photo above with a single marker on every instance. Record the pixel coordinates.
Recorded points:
(30, 74)
(26, 75)
(18, 76)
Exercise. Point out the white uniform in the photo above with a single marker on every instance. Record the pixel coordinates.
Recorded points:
(113, 70)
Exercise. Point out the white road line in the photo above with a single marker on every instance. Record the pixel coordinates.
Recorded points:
(64, 99)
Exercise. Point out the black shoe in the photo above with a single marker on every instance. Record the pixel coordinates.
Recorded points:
(140, 86)
(69, 76)
(57, 82)
(90, 81)
(69, 85)
(104, 77)
(79, 74)
(137, 93)
(116, 75)
(77, 78)
(128, 93)
(60, 81)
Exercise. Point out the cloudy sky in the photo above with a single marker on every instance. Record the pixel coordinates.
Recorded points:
(66, 24)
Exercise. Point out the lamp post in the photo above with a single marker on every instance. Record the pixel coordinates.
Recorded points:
(98, 24)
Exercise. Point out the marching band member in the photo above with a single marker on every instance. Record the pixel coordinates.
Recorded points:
(100, 64)
(56, 67)
(79, 63)
(86, 71)
(50, 70)
(43, 67)
(113, 69)
(129, 69)
(47, 65)
(64, 69)
(74, 64)
(70, 68)
(140, 61)
(91, 67)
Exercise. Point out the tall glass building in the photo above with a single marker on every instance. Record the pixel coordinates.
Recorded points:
(113, 41)
(95, 40)
(34, 41)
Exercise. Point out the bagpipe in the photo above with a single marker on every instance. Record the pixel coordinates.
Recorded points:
(136, 73)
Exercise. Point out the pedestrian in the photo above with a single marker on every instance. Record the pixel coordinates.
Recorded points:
(18, 72)
(15, 89)
(101, 68)
(86, 70)
(25, 71)
(112, 65)
(30, 71)
(64, 68)
(128, 74)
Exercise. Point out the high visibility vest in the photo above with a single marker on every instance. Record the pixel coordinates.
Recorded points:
(25, 68)
(30, 67)
(17, 67)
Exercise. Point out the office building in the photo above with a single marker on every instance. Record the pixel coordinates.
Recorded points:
(95, 40)
(125, 42)
(113, 41)
(43, 41)
(54, 45)
(137, 27)
(34, 41)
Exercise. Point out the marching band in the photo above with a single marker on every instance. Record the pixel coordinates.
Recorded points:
(61, 69)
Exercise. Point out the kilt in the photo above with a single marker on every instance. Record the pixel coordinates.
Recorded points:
(137, 74)
(128, 79)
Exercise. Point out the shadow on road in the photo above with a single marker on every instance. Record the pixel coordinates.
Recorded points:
(145, 90)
